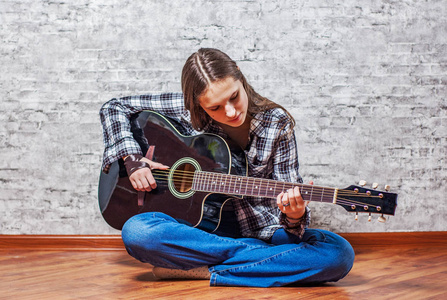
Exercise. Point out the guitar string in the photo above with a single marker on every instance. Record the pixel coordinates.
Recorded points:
(339, 199)
(327, 194)
(287, 185)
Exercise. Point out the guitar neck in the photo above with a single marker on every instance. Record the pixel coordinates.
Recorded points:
(257, 187)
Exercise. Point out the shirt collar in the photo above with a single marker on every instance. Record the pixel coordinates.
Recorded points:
(257, 127)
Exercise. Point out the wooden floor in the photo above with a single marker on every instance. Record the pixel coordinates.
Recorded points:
(402, 267)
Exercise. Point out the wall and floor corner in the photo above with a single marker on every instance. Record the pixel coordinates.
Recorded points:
(366, 83)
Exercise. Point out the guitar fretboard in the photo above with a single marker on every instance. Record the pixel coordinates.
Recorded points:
(258, 187)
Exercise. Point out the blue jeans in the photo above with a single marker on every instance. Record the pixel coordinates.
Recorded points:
(320, 256)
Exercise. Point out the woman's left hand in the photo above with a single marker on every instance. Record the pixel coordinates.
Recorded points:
(291, 203)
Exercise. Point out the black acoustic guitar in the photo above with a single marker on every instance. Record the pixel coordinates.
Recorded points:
(205, 172)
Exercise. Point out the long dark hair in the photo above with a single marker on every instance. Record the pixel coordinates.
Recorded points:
(209, 65)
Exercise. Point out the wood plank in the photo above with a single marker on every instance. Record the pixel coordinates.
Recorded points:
(397, 239)
(61, 242)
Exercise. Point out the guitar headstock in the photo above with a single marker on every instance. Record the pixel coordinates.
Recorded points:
(360, 199)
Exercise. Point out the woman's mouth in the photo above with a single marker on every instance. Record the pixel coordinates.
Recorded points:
(236, 119)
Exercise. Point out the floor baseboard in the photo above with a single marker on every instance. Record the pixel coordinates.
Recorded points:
(61, 242)
(114, 242)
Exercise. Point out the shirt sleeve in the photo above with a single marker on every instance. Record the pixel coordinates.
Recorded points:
(286, 168)
(297, 228)
(285, 160)
(116, 115)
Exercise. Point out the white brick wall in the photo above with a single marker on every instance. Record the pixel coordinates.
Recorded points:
(366, 82)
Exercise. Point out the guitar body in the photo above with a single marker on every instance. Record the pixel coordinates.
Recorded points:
(118, 200)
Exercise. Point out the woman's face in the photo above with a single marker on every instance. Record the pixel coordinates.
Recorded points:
(226, 102)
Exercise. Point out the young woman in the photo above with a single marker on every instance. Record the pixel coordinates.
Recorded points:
(274, 247)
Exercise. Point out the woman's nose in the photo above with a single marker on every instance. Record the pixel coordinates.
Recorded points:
(230, 111)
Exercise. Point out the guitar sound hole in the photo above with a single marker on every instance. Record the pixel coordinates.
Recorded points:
(183, 177)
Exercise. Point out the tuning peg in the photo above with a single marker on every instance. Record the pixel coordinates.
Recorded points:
(375, 185)
(369, 218)
(356, 216)
(387, 188)
(382, 219)
(362, 182)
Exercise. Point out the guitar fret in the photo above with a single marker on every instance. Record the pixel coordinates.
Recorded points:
(240, 185)
(305, 192)
(235, 189)
(217, 182)
(222, 183)
(199, 185)
(311, 193)
(267, 188)
(208, 182)
(246, 186)
(194, 178)
(252, 185)
(229, 184)
(257, 189)
(203, 182)
(275, 189)
(211, 182)
(199, 181)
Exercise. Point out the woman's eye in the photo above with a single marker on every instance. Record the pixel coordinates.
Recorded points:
(214, 108)
(234, 97)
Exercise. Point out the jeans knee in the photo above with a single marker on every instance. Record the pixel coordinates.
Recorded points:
(343, 258)
(141, 235)
(129, 232)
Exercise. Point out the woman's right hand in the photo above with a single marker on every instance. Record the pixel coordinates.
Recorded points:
(141, 177)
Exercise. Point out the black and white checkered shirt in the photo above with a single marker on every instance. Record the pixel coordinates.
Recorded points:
(271, 153)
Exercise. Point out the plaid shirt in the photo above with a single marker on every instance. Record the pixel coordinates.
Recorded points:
(271, 153)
